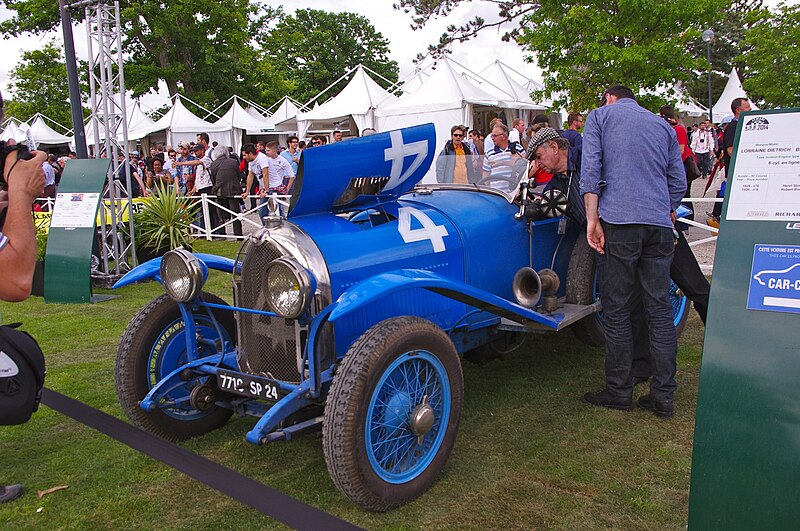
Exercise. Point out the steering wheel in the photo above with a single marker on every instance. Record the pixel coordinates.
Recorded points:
(519, 169)
(553, 202)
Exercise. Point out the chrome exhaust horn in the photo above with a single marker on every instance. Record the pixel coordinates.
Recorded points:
(530, 287)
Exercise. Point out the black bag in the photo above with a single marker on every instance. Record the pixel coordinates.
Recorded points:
(692, 171)
(21, 375)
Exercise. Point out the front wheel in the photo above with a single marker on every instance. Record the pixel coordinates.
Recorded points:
(152, 346)
(392, 413)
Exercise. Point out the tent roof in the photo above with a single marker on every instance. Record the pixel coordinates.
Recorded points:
(180, 120)
(733, 90)
(139, 124)
(287, 109)
(444, 89)
(239, 118)
(360, 95)
(44, 134)
(499, 74)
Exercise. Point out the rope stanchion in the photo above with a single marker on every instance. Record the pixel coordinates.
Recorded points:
(248, 491)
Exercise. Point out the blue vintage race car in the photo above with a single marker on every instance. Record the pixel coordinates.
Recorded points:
(351, 313)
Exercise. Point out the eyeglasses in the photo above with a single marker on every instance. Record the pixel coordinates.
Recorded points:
(498, 134)
(457, 135)
(316, 143)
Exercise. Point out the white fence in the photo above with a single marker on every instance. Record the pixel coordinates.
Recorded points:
(251, 222)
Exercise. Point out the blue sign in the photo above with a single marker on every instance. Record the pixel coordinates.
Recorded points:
(775, 278)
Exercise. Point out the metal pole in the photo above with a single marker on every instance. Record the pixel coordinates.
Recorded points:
(72, 78)
(710, 113)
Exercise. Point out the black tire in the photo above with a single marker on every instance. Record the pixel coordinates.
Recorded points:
(580, 290)
(581, 280)
(364, 376)
(145, 342)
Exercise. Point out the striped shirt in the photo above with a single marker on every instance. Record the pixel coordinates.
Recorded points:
(3, 240)
(498, 162)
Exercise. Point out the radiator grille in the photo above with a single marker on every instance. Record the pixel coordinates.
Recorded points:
(268, 345)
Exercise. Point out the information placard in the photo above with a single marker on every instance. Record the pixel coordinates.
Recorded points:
(775, 278)
(75, 210)
(766, 183)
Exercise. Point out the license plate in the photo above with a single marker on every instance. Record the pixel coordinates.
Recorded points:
(247, 385)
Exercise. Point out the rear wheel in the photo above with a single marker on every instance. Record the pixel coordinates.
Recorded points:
(152, 346)
(393, 412)
(582, 288)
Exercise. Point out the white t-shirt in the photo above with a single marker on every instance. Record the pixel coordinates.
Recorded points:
(279, 168)
(261, 161)
(202, 174)
(513, 135)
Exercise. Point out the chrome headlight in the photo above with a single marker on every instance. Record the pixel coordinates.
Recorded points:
(182, 275)
(289, 288)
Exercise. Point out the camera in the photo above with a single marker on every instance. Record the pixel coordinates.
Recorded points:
(22, 153)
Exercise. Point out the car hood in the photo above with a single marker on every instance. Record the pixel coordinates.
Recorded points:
(362, 172)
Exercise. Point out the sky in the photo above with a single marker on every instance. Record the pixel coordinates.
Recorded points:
(475, 55)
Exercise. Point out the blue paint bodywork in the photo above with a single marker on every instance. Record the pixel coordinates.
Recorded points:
(446, 254)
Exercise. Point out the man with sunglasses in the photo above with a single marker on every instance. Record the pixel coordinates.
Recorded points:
(454, 164)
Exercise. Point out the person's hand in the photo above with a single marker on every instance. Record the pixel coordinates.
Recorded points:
(673, 216)
(262, 193)
(25, 176)
(595, 236)
(244, 195)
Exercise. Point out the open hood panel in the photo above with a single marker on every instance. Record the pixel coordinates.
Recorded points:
(362, 172)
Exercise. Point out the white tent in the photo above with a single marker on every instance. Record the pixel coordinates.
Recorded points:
(690, 107)
(44, 135)
(357, 100)
(733, 90)
(180, 125)
(18, 131)
(241, 121)
(285, 109)
(139, 124)
(446, 98)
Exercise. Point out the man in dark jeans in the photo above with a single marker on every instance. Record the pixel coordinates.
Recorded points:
(631, 196)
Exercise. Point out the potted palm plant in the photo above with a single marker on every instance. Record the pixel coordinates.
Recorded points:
(163, 223)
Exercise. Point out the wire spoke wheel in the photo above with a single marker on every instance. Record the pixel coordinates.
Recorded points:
(392, 413)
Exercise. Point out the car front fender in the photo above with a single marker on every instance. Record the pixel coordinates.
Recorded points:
(384, 284)
(152, 269)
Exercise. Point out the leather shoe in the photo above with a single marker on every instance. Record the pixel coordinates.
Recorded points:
(12, 492)
(662, 410)
(604, 398)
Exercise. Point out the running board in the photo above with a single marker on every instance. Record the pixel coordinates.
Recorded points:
(566, 315)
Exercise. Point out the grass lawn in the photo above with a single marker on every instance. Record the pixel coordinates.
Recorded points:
(529, 454)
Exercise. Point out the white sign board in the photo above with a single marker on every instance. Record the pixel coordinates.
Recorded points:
(766, 175)
(75, 210)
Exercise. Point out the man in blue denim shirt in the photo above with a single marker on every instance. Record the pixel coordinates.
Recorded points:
(631, 191)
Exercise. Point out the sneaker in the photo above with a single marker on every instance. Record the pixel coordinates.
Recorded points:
(662, 410)
(712, 221)
(604, 398)
(12, 492)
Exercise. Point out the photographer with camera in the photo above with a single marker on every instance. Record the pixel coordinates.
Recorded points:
(22, 182)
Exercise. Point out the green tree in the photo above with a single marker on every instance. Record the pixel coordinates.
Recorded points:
(726, 49)
(314, 48)
(582, 46)
(772, 57)
(201, 48)
(39, 84)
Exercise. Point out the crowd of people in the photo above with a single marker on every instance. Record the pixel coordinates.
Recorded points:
(625, 201)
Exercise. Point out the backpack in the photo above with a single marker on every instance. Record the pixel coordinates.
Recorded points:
(22, 373)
